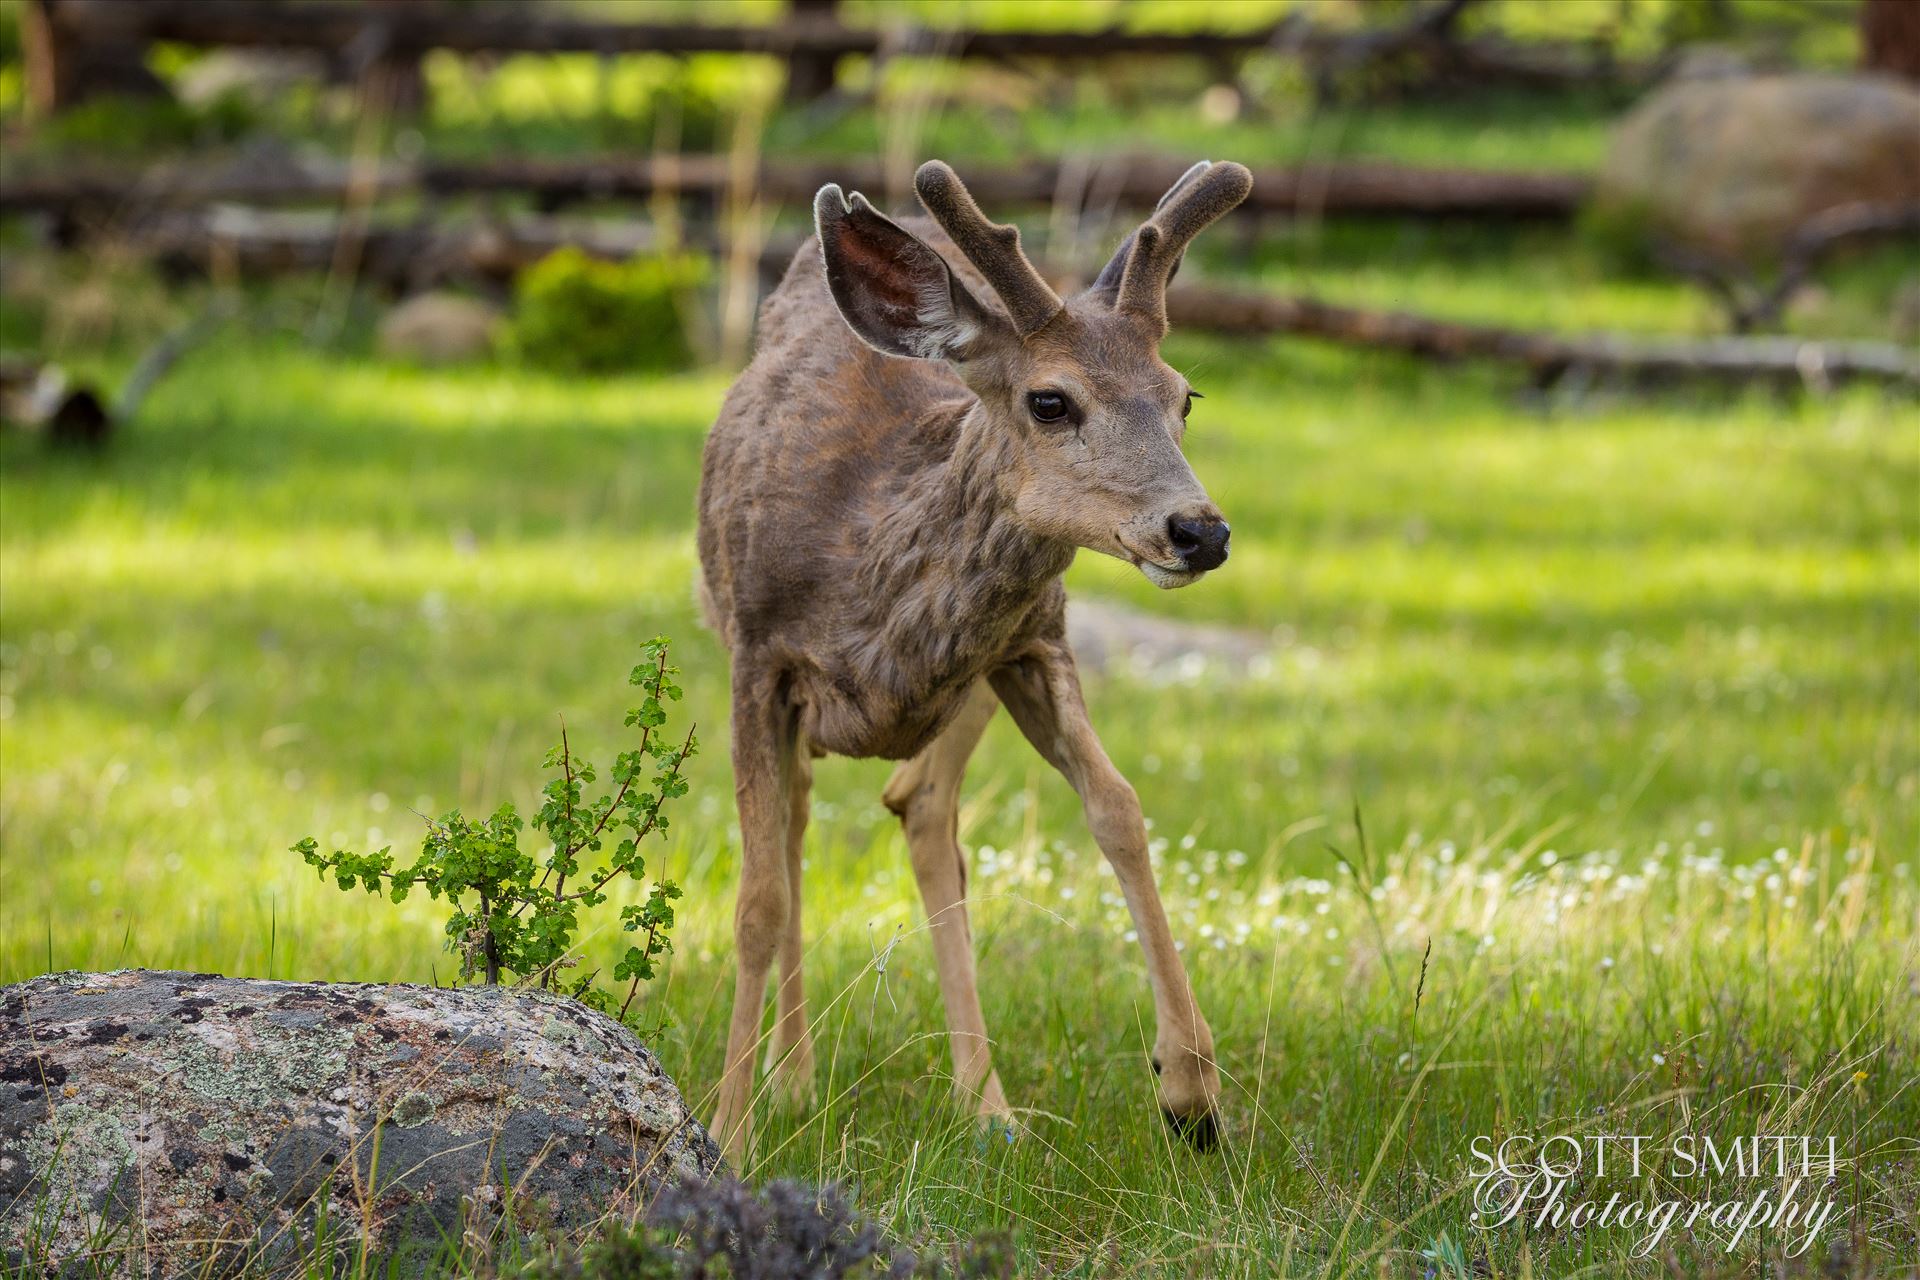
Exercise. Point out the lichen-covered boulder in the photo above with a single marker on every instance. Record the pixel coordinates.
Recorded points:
(203, 1124)
(1733, 165)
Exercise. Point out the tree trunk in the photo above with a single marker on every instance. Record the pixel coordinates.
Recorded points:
(810, 73)
(1890, 37)
(395, 73)
(66, 66)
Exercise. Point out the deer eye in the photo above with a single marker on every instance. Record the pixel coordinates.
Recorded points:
(1187, 408)
(1047, 406)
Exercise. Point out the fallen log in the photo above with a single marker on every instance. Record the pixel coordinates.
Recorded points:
(498, 28)
(1890, 38)
(1132, 182)
(415, 256)
(1347, 188)
(403, 257)
(1547, 356)
(45, 400)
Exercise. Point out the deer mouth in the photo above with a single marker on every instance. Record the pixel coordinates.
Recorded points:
(1166, 571)
(1167, 578)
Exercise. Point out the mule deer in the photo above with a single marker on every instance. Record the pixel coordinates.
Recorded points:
(882, 540)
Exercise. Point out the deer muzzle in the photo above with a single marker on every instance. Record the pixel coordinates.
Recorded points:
(1200, 542)
(1178, 550)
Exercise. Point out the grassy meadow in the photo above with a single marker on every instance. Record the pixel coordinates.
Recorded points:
(1577, 791)
(1623, 689)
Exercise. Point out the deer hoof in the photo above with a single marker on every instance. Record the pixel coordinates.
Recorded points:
(1201, 1130)
(995, 1131)
(793, 1080)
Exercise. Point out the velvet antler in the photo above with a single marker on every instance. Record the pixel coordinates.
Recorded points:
(993, 249)
(1205, 194)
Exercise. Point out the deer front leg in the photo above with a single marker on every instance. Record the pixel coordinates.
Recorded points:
(925, 792)
(790, 1053)
(1042, 691)
(764, 744)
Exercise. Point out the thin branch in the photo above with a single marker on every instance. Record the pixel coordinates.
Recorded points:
(633, 988)
(642, 832)
(646, 736)
(560, 884)
(1748, 305)
(492, 955)
(1818, 237)
(566, 767)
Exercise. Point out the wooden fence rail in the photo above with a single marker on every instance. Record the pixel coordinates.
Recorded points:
(1343, 188)
(369, 33)
(492, 26)
(415, 255)
(1547, 356)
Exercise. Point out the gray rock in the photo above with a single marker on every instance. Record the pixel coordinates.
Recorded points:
(1711, 62)
(200, 1124)
(440, 328)
(1733, 165)
(1108, 637)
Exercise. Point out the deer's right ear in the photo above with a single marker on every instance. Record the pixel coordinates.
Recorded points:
(891, 287)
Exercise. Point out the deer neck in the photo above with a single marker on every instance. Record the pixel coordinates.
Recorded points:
(955, 572)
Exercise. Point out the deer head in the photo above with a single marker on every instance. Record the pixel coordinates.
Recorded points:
(1091, 416)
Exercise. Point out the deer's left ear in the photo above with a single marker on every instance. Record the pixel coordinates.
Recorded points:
(891, 287)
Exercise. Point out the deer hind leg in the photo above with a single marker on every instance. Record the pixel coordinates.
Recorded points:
(790, 1053)
(764, 755)
(925, 792)
(1042, 691)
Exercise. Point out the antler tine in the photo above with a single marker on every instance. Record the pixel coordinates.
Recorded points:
(1198, 201)
(993, 249)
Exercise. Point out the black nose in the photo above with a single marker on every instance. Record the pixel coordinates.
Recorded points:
(1201, 544)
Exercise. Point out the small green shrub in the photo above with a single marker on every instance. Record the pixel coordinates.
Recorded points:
(117, 125)
(581, 102)
(514, 913)
(577, 314)
(1626, 237)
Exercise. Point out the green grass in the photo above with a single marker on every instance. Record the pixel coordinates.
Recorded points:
(1161, 112)
(1624, 688)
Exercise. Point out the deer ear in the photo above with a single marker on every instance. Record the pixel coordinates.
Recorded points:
(891, 287)
(1107, 283)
